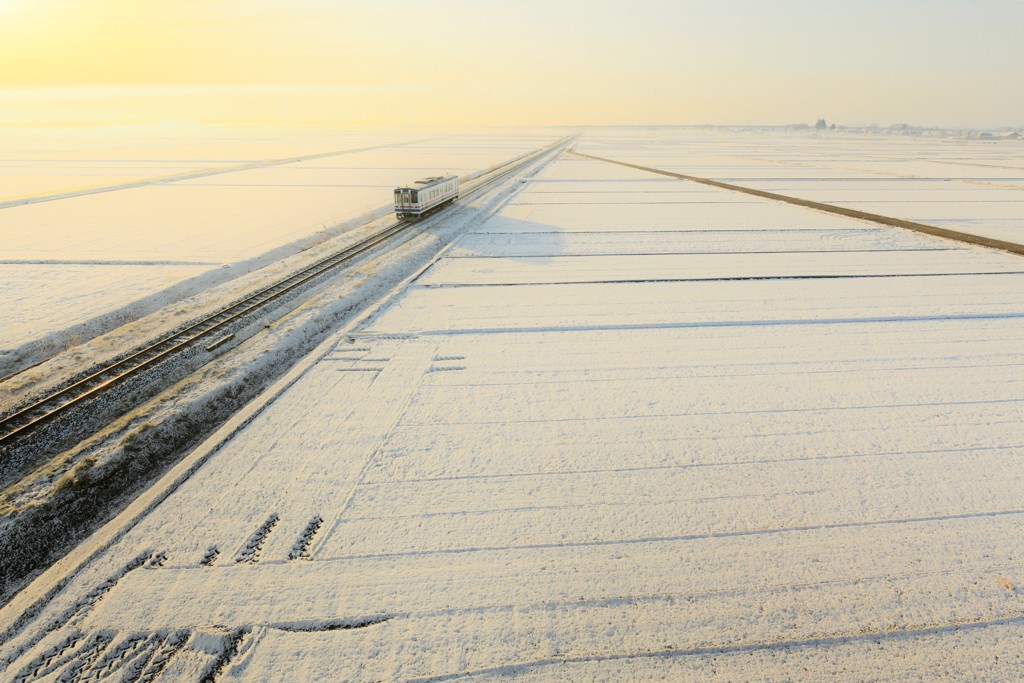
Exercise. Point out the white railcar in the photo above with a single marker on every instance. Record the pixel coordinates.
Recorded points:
(426, 195)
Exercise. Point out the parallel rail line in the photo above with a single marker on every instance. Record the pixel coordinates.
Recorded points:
(20, 423)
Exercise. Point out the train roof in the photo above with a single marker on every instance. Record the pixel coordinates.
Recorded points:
(430, 180)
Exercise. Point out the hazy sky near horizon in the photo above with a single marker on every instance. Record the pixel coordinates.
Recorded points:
(458, 62)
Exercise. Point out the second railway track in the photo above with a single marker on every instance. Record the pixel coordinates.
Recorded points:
(19, 424)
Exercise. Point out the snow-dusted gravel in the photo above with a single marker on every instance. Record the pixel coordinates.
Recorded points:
(600, 440)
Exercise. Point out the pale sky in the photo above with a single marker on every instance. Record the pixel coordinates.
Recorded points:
(562, 62)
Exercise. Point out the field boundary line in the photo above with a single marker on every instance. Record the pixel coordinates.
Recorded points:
(924, 228)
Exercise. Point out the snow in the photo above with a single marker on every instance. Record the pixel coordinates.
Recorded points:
(664, 267)
(50, 161)
(231, 215)
(172, 222)
(550, 243)
(31, 311)
(971, 186)
(581, 445)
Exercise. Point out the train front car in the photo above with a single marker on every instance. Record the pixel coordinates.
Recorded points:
(405, 201)
(426, 195)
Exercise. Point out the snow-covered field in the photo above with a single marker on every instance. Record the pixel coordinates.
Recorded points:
(715, 439)
(41, 296)
(189, 202)
(971, 185)
(38, 162)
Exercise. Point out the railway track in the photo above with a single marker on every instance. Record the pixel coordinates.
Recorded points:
(213, 330)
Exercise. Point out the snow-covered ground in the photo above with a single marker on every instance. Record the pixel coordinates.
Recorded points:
(46, 162)
(718, 439)
(189, 202)
(974, 186)
(39, 296)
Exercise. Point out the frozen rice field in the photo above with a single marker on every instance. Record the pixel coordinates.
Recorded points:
(971, 185)
(630, 428)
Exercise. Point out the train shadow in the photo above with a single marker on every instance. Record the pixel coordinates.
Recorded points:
(506, 238)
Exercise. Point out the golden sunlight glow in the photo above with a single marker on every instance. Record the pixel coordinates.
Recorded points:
(572, 61)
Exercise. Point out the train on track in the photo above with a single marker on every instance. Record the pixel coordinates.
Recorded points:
(426, 195)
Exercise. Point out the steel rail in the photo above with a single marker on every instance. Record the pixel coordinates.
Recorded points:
(19, 423)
